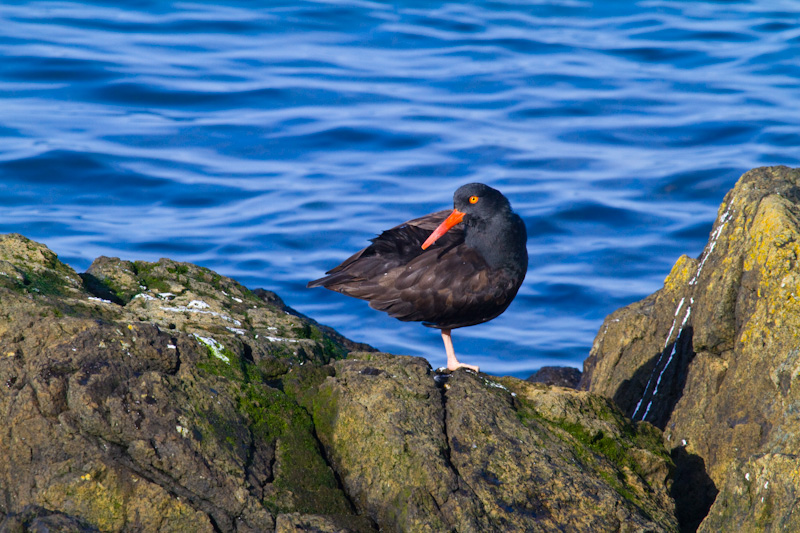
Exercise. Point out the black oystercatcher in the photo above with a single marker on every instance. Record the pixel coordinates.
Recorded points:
(469, 276)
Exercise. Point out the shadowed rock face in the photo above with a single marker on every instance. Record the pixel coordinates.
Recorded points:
(164, 397)
(713, 358)
(561, 376)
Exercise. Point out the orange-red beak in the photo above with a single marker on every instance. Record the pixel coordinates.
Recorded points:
(455, 217)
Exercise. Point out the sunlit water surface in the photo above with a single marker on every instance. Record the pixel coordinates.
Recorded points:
(270, 143)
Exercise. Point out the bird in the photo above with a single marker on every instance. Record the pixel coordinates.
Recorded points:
(448, 269)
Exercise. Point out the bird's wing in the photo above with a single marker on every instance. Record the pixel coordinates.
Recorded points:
(392, 248)
(451, 287)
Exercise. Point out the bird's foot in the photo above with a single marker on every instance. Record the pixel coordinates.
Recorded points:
(455, 365)
(452, 362)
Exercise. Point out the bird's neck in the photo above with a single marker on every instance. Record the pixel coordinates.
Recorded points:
(501, 241)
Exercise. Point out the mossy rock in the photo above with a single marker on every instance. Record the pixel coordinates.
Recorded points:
(478, 455)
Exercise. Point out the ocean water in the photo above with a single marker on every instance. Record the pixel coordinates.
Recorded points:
(269, 141)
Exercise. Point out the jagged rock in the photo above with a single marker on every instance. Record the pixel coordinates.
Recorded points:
(158, 414)
(165, 397)
(713, 357)
(758, 495)
(38, 519)
(560, 376)
(300, 523)
(483, 454)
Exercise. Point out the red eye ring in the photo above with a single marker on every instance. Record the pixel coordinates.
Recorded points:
(473, 199)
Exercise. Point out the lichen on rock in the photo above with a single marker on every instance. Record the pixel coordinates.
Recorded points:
(118, 414)
(713, 357)
(483, 454)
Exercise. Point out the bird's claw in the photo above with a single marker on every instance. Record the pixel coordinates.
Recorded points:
(455, 366)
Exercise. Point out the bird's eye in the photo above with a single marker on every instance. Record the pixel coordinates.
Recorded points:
(473, 199)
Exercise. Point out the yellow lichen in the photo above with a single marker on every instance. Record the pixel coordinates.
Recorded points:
(682, 271)
(112, 500)
(773, 252)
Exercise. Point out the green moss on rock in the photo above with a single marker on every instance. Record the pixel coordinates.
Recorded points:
(302, 481)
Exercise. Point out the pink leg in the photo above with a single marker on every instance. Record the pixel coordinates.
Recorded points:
(452, 362)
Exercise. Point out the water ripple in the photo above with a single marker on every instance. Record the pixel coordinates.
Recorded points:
(270, 142)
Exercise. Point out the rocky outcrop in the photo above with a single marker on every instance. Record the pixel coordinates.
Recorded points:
(165, 397)
(713, 358)
(561, 376)
(485, 454)
(158, 414)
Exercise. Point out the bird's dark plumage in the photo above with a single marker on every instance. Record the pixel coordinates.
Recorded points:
(468, 276)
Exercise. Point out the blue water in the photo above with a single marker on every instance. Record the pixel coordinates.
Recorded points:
(269, 143)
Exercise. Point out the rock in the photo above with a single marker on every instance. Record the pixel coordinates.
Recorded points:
(713, 357)
(160, 414)
(486, 454)
(759, 494)
(560, 376)
(39, 519)
(300, 523)
(165, 397)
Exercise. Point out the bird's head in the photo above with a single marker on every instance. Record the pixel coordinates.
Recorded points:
(472, 201)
